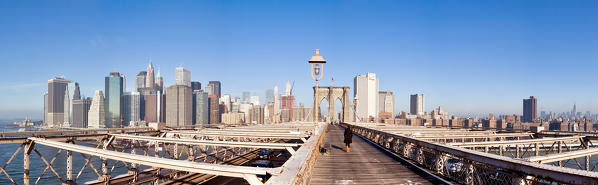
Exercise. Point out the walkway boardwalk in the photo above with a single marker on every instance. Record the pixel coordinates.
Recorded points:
(365, 164)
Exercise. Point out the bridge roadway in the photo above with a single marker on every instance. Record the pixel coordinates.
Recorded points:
(365, 164)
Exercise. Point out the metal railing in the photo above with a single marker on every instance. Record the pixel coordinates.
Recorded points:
(467, 166)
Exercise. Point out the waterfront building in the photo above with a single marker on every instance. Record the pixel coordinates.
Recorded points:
(114, 92)
(96, 114)
(55, 101)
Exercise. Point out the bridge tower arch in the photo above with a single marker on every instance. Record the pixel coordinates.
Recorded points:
(331, 94)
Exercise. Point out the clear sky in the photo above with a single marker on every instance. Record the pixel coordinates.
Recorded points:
(467, 56)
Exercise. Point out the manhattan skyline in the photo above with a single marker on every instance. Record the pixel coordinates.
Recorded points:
(484, 57)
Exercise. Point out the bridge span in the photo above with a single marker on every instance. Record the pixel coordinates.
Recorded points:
(382, 154)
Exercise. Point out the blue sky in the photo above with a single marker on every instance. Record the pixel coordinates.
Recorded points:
(467, 56)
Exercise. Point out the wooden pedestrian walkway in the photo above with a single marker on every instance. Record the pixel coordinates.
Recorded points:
(365, 164)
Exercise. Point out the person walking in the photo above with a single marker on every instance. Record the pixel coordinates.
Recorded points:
(348, 137)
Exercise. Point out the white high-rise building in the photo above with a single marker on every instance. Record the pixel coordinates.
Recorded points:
(417, 104)
(226, 100)
(366, 91)
(255, 100)
(150, 81)
(386, 101)
(96, 118)
(276, 101)
(183, 76)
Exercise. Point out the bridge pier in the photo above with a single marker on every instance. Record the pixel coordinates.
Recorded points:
(29, 145)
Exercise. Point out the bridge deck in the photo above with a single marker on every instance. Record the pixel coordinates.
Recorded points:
(365, 164)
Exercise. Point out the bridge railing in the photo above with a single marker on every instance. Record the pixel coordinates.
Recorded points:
(466, 166)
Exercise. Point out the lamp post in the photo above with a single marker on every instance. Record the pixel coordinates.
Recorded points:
(317, 72)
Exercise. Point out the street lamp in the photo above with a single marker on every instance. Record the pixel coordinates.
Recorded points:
(317, 72)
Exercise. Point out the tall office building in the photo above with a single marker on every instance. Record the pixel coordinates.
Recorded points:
(179, 108)
(96, 114)
(183, 76)
(195, 85)
(417, 104)
(159, 82)
(140, 81)
(288, 102)
(530, 109)
(114, 92)
(226, 100)
(366, 91)
(150, 102)
(269, 96)
(149, 79)
(131, 107)
(246, 96)
(276, 108)
(81, 107)
(386, 102)
(71, 93)
(201, 113)
(214, 109)
(215, 88)
(56, 94)
(45, 109)
(255, 99)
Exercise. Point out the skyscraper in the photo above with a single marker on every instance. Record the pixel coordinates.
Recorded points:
(255, 99)
(71, 94)
(81, 109)
(201, 113)
(159, 86)
(288, 102)
(269, 96)
(246, 96)
(179, 108)
(215, 88)
(226, 100)
(140, 80)
(149, 79)
(195, 85)
(56, 94)
(530, 109)
(386, 101)
(214, 109)
(96, 114)
(417, 104)
(113, 105)
(366, 91)
(131, 107)
(183, 76)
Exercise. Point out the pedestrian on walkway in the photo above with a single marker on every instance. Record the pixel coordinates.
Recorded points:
(348, 137)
